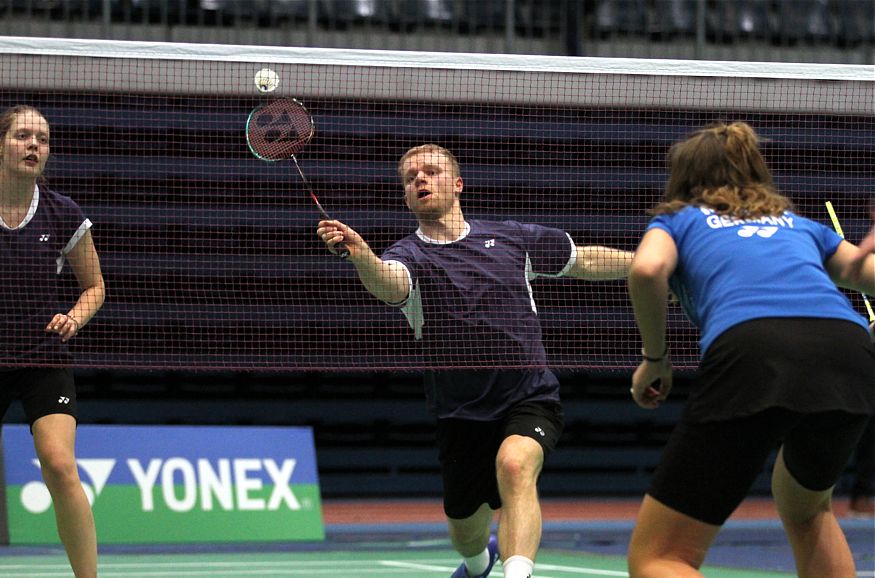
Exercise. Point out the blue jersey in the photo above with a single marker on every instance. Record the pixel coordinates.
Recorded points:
(471, 307)
(733, 270)
(34, 254)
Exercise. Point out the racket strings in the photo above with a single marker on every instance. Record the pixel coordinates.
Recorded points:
(280, 130)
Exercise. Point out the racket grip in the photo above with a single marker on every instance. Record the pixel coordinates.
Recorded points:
(340, 250)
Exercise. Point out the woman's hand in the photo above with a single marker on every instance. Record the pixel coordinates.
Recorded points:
(64, 325)
(651, 383)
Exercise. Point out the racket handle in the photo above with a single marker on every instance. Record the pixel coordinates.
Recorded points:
(340, 250)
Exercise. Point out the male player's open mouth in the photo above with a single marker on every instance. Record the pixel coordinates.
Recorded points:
(421, 194)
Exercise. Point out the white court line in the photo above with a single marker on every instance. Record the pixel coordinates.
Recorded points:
(586, 571)
(378, 572)
(576, 571)
(208, 564)
(415, 566)
(269, 568)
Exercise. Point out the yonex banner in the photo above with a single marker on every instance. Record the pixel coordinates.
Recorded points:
(175, 484)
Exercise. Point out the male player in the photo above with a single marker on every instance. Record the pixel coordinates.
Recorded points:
(464, 287)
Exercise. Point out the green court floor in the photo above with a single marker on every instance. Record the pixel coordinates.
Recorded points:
(410, 563)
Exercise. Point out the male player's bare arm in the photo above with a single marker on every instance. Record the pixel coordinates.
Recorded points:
(597, 263)
(387, 282)
(853, 267)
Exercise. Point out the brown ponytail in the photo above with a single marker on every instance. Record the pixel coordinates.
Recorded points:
(721, 167)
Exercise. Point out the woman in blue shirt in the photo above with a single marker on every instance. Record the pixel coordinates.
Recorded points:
(786, 361)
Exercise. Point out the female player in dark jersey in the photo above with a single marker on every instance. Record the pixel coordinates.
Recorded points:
(40, 231)
(464, 287)
(786, 361)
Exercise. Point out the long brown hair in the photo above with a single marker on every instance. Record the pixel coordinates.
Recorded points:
(721, 167)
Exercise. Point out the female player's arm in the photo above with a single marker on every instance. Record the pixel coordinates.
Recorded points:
(387, 282)
(597, 263)
(85, 263)
(654, 262)
(853, 267)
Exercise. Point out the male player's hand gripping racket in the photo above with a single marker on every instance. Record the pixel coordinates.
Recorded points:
(280, 130)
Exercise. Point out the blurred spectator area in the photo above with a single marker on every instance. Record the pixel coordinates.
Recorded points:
(841, 31)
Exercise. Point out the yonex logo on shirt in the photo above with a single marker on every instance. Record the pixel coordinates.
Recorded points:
(751, 230)
(489, 243)
(64, 400)
(44, 238)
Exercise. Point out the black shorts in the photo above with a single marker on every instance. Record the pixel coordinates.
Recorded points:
(707, 469)
(42, 391)
(805, 365)
(467, 452)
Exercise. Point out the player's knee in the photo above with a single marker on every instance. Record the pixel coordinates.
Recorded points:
(58, 470)
(518, 462)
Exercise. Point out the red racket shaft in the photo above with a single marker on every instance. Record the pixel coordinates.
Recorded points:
(339, 249)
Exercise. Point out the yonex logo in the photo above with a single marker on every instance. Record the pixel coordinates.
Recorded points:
(540, 431)
(64, 400)
(187, 485)
(44, 238)
(35, 496)
(489, 243)
(751, 230)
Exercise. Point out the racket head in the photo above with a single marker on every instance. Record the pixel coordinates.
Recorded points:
(279, 129)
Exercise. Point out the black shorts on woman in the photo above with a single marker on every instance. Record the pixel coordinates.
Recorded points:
(802, 383)
(42, 390)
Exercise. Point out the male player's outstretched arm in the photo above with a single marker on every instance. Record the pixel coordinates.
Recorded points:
(855, 269)
(386, 281)
(596, 263)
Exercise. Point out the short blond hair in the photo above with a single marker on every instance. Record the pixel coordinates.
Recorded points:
(430, 148)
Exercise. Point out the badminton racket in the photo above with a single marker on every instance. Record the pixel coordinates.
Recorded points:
(838, 228)
(280, 130)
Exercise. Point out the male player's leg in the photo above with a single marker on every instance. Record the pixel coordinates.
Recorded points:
(54, 439)
(531, 431)
(467, 456)
(470, 535)
(808, 465)
(518, 466)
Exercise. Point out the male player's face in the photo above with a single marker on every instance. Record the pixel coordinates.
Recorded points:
(431, 187)
(26, 145)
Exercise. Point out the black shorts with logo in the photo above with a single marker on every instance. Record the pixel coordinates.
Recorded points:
(42, 391)
(467, 452)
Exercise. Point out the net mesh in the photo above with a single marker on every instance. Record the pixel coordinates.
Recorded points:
(211, 258)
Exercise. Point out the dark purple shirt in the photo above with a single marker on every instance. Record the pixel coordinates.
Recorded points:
(472, 309)
(33, 255)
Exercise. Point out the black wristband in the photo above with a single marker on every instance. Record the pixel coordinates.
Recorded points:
(655, 359)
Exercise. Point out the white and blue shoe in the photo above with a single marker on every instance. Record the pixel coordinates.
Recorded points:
(492, 548)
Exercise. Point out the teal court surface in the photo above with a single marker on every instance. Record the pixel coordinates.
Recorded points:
(744, 549)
